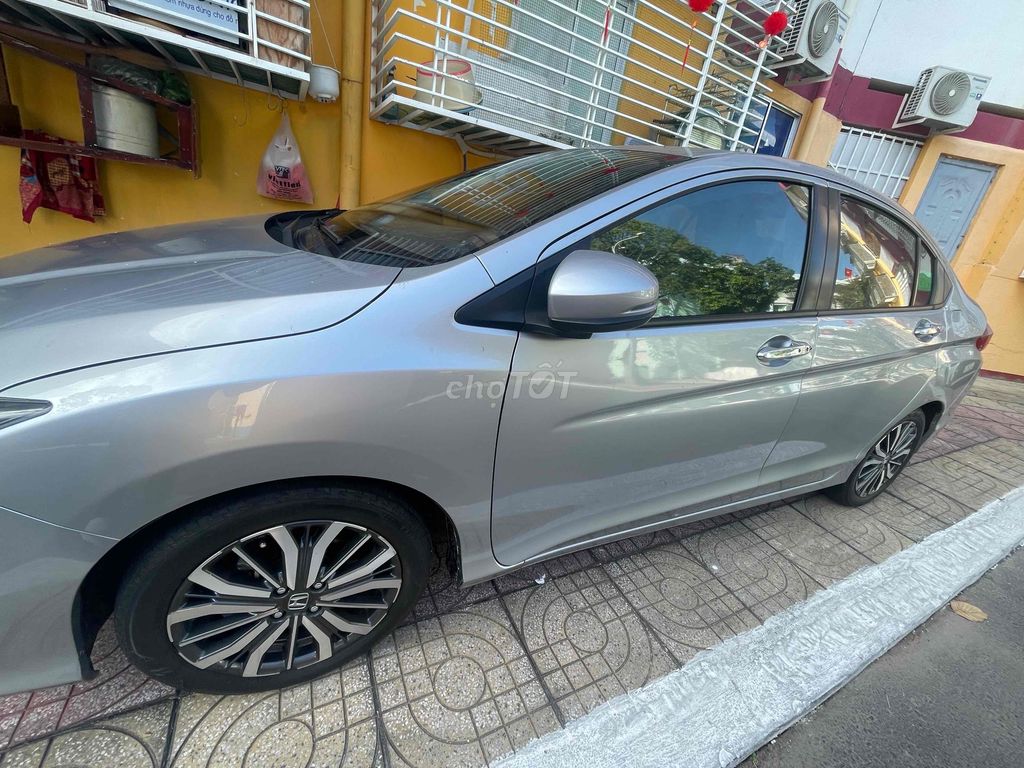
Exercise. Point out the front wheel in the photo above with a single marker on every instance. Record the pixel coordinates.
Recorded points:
(883, 462)
(273, 589)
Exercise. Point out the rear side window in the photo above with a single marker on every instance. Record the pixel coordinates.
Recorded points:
(923, 290)
(877, 260)
(731, 249)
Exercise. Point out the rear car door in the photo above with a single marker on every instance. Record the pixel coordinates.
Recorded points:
(625, 429)
(880, 334)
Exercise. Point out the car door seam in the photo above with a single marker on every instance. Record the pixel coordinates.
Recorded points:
(494, 458)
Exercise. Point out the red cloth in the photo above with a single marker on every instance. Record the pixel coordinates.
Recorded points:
(65, 183)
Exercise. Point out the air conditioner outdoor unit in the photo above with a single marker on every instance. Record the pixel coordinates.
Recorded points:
(944, 98)
(810, 45)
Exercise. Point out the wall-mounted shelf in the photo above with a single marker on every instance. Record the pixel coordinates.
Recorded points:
(184, 115)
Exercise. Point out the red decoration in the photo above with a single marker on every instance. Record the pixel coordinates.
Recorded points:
(700, 6)
(775, 23)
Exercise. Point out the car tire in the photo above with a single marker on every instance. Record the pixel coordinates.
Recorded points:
(883, 462)
(192, 610)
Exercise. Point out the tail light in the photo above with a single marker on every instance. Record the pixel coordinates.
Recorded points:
(982, 341)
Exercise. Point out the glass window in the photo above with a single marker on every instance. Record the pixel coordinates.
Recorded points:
(457, 217)
(777, 132)
(729, 249)
(876, 259)
(925, 272)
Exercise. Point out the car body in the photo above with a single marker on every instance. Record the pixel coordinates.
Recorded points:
(166, 371)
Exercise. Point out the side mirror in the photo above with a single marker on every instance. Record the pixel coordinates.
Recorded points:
(594, 291)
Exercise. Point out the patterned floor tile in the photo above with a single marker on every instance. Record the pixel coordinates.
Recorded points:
(458, 690)
(765, 581)
(984, 395)
(456, 686)
(999, 389)
(134, 740)
(443, 594)
(539, 573)
(963, 433)
(1001, 459)
(923, 497)
(329, 722)
(957, 480)
(855, 526)
(812, 548)
(587, 642)
(606, 553)
(118, 686)
(686, 530)
(906, 518)
(680, 599)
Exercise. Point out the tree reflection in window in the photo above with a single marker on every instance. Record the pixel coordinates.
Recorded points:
(730, 249)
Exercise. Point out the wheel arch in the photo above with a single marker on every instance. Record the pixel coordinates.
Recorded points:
(95, 596)
(932, 413)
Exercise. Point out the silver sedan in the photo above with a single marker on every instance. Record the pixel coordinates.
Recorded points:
(245, 438)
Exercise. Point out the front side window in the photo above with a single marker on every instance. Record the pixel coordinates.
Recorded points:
(735, 248)
(877, 259)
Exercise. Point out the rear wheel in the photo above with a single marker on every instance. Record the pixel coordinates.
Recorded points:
(273, 589)
(883, 462)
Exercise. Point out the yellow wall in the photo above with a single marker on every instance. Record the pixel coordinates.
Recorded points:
(235, 126)
(991, 258)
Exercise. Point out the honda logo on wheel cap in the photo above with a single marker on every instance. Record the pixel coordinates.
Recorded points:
(298, 601)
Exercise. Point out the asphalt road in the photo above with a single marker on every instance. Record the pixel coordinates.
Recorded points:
(949, 694)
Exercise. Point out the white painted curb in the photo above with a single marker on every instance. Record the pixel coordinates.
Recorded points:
(733, 698)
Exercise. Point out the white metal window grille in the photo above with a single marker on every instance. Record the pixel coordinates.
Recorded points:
(518, 76)
(877, 160)
(262, 44)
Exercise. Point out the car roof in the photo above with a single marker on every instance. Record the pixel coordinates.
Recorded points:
(750, 161)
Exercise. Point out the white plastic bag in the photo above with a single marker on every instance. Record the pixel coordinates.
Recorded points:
(282, 174)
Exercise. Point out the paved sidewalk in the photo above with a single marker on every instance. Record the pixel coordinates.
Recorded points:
(476, 674)
(951, 693)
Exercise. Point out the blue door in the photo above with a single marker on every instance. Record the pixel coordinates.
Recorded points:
(952, 198)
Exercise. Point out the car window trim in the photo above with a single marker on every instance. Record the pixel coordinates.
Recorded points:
(814, 248)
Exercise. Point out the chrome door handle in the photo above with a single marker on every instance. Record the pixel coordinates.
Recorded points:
(926, 330)
(781, 349)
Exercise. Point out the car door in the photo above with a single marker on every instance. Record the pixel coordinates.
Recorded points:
(880, 333)
(626, 429)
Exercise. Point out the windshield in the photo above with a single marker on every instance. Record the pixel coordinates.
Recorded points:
(462, 215)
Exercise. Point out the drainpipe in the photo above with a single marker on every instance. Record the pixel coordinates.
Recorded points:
(353, 61)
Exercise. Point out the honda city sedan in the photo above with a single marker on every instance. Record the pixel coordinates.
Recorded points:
(244, 440)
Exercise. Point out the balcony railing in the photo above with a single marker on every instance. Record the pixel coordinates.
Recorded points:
(262, 44)
(518, 76)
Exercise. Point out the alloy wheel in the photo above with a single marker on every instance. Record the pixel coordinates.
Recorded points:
(284, 598)
(886, 459)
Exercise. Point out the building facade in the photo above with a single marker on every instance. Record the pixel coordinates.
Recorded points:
(430, 87)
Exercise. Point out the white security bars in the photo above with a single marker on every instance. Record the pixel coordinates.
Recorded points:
(517, 76)
(263, 44)
(877, 160)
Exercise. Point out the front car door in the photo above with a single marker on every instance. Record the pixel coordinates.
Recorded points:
(880, 343)
(628, 429)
